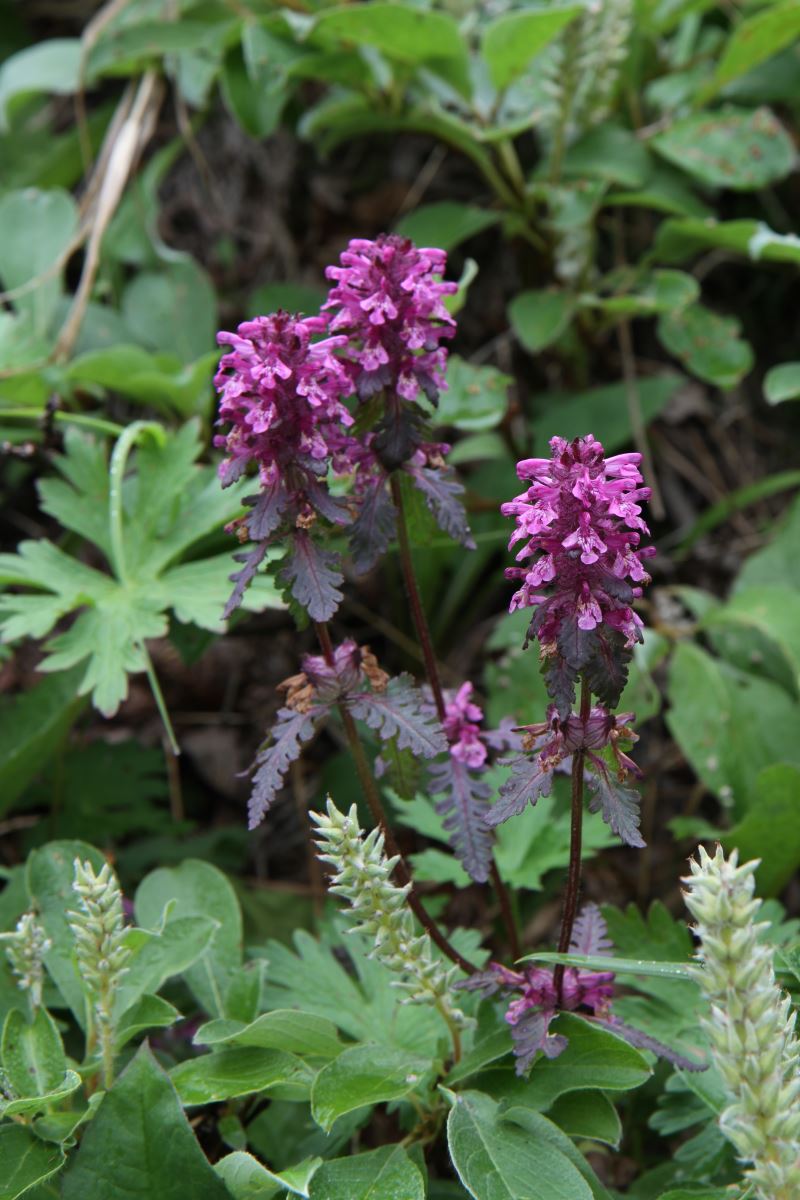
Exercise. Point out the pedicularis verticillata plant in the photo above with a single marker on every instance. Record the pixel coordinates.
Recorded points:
(345, 398)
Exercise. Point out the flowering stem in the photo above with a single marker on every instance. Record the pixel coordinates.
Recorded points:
(373, 799)
(434, 679)
(576, 829)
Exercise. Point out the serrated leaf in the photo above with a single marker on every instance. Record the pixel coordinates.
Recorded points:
(289, 731)
(590, 932)
(463, 801)
(619, 805)
(313, 577)
(744, 149)
(527, 782)
(400, 712)
(361, 1076)
(442, 493)
(374, 528)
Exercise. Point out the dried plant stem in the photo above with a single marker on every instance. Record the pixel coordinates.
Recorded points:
(434, 678)
(575, 838)
(372, 796)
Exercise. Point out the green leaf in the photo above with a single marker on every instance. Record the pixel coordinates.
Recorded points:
(730, 725)
(158, 380)
(33, 725)
(496, 1160)
(38, 227)
(197, 890)
(665, 190)
(741, 498)
(33, 1057)
(678, 240)
(777, 563)
(539, 318)
(476, 397)
(148, 1012)
(384, 1174)
(754, 40)
(620, 966)
(510, 42)
(782, 383)
(282, 1029)
(588, 1114)
(446, 224)
(771, 610)
(293, 297)
(604, 410)
(361, 1076)
(608, 152)
(25, 1161)
(707, 344)
(542, 1129)
(51, 66)
(140, 1144)
(743, 149)
(49, 876)
(240, 1071)
(174, 310)
(247, 1179)
(770, 829)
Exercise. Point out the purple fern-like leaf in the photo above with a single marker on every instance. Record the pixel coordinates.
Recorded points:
(464, 802)
(530, 1034)
(312, 576)
(242, 579)
(400, 713)
(286, 738)
(590, 933)
(527, 782)
(374, 527)
(618, 804)
(643, 1041)
(442, 493)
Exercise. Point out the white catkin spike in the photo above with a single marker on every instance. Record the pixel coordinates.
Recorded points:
(751, 1028)
(25, 953)
(362, 874)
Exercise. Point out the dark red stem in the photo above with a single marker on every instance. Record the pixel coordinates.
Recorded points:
(576, 830)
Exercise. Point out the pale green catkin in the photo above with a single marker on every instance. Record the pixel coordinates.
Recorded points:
(752, 1026)
(363, 877)
(25, 952)
(99, 930)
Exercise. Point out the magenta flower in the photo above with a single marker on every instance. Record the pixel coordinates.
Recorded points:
(388, 300)
(281, 394)
(462, 726)
(581, 526)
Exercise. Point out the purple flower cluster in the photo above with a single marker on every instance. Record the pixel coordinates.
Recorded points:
(581, 525)
(281, 393)
(388, 301)
(462, 726)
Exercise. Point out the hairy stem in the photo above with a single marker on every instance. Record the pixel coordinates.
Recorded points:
(576, 829)
(434, 678)
(372, 796)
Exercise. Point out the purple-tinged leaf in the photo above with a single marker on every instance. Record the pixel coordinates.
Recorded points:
(485, 983)
(606, 672)
(576, 644)
(530, 1034)
(463, 801)
(505, 737)
(525, 785)
(252, 560)
(560, 680)
(374, 527)
(313, 577)
(331, 507)
(643, 1041)
(267, 510)
(618, 804)
(590, 932)
(397, 434)
(443, 493)
(400, 712)
(285, 744)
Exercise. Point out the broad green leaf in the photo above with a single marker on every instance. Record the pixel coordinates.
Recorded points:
(364, 1075)
(707, 344)
(160, 380)
(743, 149)
(510, 42)
(664, 291)
(664, 190)
(247, 1179)
(446, 224)
(778, 562)
(49, 66)
(741, 498)
(680, 239)
(588, 1114)
(198, 889)
(770, 830)
(773, 611)
(282, 1029)
(49, 876)
(539, 318)
(161, 954)
(544, 1130)
(37, 230)
(604, 410)
(700, 1192)
(25, 1160)
(384, 1174)
(608, 152)
(126, 49)
(476, 397)
(28, 1106)
(173, 310)
(730, 725)
(497, 1160)
(782, 383)
(754, 40)
(239, 1071)
(140, 1144)
(33, 1057)
(33, 724)
(148, 1012)
(657, 937)
(620, 966)
(492, 1041)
